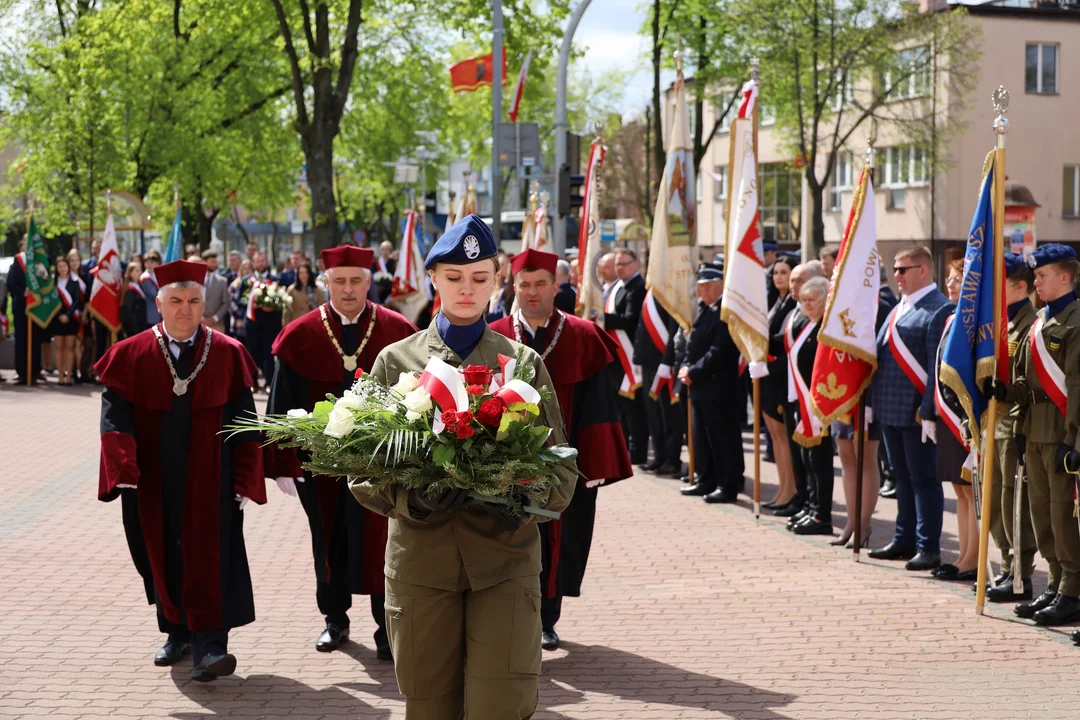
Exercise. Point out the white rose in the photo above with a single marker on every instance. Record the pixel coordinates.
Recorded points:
(340, 423)
(416, 402)
(406, 383)
(350, 401)
(298, 413)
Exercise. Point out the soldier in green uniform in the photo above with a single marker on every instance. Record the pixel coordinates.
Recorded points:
(1047, 389)
(1021, 315)
(462, 584)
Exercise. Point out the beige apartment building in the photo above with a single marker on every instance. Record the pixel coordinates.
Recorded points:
(1031, 50)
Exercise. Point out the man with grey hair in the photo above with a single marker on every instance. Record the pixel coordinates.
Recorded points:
(566, 295)
(605, 270)
(170, 392)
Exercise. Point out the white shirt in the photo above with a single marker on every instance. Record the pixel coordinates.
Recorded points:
(907, 302)
(345, 320)
(532, 330)
(173, 344)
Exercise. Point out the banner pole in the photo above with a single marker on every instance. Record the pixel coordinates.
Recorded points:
(860, 450)
(757, 448)
(1001, 128)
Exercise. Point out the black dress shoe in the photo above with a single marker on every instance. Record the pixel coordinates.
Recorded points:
(813, 526)
(888, 490)
(171, 652)
(211, 667)
(331, 638)
(722, 496)
(948, 571)
(1075, 636)
(771, 506)
(549, 640)
(1000, 578)
(923, 561)
(790, 510)
(1027, 610)
(1003, 592)
(698, 489)
(384, 653)
(1064, 610)
(669, 469)
(893, 551)
(796, 519)
(649, 466)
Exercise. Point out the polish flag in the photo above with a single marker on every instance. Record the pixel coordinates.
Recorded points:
(519, 89)
(445, 385)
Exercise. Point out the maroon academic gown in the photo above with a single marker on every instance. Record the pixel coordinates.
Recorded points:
(348, 541)
(179, 475)
(578, 368)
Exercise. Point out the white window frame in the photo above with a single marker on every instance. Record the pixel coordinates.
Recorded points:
(845, 91)
(917, 166)
(1039, 68)
(1074, 212)
(841, 179)
(917, 84)
(721, 182)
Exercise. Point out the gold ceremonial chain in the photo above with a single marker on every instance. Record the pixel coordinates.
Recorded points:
(179, 387)
(555, 339)
(350, 361)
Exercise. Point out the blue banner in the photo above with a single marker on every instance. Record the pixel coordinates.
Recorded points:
(969, 358)
(176, 241)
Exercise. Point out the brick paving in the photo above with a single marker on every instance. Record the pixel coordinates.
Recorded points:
(690, 611)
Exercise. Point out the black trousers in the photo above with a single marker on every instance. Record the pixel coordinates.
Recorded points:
(635, 425)
(550, 612)
(665, 426)
(802, 491)
(718, 453)
(818, 461)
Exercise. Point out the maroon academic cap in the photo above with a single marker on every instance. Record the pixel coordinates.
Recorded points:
(347, 256)
(180, 271)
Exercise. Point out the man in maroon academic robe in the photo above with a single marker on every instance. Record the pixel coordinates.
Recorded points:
(169, 393)
(577, 355)
(319, 354)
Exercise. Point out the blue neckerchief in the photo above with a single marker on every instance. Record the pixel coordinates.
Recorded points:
(1015, 308)
(462, 339)
(1055, 306)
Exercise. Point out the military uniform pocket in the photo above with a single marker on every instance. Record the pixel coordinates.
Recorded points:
(525, 638)
(399, 627)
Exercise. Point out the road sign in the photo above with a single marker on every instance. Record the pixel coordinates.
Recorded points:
(360, 236)
(528, 162)
(515, 136)
(297, 227)
(607, 230)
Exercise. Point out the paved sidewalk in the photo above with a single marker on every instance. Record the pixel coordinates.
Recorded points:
(690, 611)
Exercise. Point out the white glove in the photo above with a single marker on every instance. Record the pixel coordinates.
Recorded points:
(869, 416)
(929, 430)
(287, 485)
(758, 370)
(242, 500)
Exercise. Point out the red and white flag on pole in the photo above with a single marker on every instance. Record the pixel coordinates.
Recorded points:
(408, 296)
(590, 292)
(519, 89)
(847, 341)
(105, 294)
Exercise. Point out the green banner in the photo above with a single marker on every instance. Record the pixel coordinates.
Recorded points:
(42, 300)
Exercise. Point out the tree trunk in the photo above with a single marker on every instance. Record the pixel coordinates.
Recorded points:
(817, 218)
(204, 227)
(658, 124)
(319, 151)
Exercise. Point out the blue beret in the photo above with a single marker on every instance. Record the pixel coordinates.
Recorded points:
(718, 259)
(767, 247)
(1013, 263)
(707, 272)
(469, 241)
(1050, 253)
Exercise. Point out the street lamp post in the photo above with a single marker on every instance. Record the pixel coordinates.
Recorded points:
(560, 116)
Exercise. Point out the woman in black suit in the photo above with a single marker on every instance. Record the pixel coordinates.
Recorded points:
(65, 325)
(133, 305)
(774, 387)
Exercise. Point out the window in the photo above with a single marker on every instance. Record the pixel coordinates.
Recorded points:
(780, 186)
(1071, 196)
(909, 74)
(904, 165)
(1040, 69)
(841, 179)
(845, 91)
(720, 181)
(722, 101)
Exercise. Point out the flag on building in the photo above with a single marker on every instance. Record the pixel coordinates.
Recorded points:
(673, 248)
(590, 299)
(407, 295)
(968, 358)
(175, 245)
(42, 300)
(847, 341)
(745, 304)
(105, 294)
(519, 88)
(475, 73)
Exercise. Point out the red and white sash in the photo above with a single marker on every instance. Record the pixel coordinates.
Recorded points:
(135, 287)
(21, 259)
(381, 264)
(809, 428)
(915, 372)
(950, 418)
(654, 323)
(664, 378)
(631, 373)
(1051, 377)
(82, 286)
(147, 275)
(65, 296)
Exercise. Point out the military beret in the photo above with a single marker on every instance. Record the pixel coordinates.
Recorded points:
(468, 241)
(180, 271)
(770, 247)
(708, 272)
(1050, 253)
(1013, 263)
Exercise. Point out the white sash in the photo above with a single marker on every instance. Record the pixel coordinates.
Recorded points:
(809, 429)
(631, 373)
(65, 296)
(654, 324)
(915, 372)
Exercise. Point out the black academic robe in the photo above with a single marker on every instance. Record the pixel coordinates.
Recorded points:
(181, 475)
(346, 537)
(586, 393)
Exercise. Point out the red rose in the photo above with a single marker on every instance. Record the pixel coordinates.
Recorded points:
(478, 375)
(359, 373)
(464, 432)
(491, 412)
(476, 389)
(464, 418)
(449, 418)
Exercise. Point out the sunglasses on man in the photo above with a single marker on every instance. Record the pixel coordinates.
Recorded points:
(901, 269)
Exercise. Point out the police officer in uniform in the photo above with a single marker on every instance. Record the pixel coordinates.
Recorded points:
(1021, 314)
(1047, 389)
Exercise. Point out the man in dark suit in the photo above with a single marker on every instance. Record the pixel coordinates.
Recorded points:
(621, 317)
(566, 294)
(651, 340)
(907, 348)
(771, 293)
(710, 371)
(260, 332)
(288, 277)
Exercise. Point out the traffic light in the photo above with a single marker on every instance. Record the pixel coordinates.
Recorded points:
(571, 188)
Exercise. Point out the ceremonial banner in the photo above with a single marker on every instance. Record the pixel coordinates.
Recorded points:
(590, 300)
(745, 304)
(673, 249)
(175, 246)
(105, 294)
(42, 300)
(968, 358)
(542, 229)
(519, 89)
(407, 295)
(847, 342)
(475, 73)
(528, 231)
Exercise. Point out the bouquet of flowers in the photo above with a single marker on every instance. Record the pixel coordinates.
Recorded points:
(445, 428)
(270, 296)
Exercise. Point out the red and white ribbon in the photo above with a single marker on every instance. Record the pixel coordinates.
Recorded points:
(915, 372)
(631, 380)
(518, 391)
(664, 378)
(654, 323)
(950, 418)
(65, 296)
(1050, 375)
(149, 276)
(135, 288)
(809, 426)
(445, 385)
